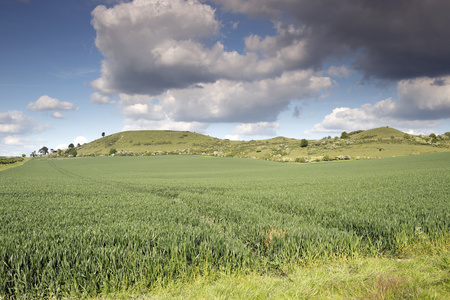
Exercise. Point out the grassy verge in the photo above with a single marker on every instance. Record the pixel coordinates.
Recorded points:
(423, 276)
(16, 164)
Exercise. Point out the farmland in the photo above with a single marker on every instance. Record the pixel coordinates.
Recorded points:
(84, 227)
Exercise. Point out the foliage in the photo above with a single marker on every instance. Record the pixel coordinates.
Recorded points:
(304, 143)
(43, 150)
(10, 160)
(101, 225)
(355, 132)
(345, 135)
(73, 152)
(112, 151)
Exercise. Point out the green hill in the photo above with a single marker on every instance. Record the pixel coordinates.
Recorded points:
(379, 133)
(374, 143)
(146, 141)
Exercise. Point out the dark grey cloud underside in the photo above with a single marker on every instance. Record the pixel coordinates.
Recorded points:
(394, 39)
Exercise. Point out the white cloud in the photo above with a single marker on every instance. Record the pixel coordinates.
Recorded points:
(151, 45)
(232, 137)
(421, 103)
(80, 140)
(167, 124)
(61, 146)
(424, 98)
(260, 128)
(236, 101)
(341, 71)
(98, 98)
(58, 115)
(16, 122)
(47, 103)
(168, 50)
(14, 140)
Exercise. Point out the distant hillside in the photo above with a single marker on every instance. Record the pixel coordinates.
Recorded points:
(379, 133)
(374, 143)
(146, 140)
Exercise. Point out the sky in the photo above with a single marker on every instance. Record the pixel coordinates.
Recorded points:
(238, 69)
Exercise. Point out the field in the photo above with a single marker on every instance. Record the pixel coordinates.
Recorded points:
(93, 227)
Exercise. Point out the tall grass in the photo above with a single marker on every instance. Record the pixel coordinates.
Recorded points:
(89, 226)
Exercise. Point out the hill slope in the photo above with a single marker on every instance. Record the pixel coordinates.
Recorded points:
(373, 143)
(381, 132)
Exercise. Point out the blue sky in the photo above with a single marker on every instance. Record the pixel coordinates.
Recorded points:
(253, 69)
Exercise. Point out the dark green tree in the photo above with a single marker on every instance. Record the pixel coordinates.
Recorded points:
(304, 143)
(344, 135)
(43, 150)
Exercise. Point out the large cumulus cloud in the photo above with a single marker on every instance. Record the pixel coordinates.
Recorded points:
(169, 51)
(167, 61)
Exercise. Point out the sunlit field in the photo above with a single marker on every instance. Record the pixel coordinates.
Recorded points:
(92, 226)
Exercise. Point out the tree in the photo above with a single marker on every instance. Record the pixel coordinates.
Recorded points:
(73, 152)
(71, 145)
(303, 143)
(344, 135)
(103, 134)
(43, 150)
(78, 145)
(33, 154)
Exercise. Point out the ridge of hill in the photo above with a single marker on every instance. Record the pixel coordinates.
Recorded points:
(374, 143)
(381, 132)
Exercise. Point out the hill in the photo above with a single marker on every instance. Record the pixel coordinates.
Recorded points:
(146, 141)
(374, 143)
(380, 133)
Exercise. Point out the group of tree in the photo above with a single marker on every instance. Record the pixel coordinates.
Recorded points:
(71, 150)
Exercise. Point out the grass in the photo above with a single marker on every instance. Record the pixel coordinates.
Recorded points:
(173, 226)
(422, 277)
(16, 164)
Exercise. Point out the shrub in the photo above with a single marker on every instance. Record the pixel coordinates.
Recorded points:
(344, 135)
(300, 160)
(112, 151)
(303, 143)
(73, 152)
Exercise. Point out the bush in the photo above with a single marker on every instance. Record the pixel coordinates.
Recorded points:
(73, 152)
(300, 160)
(112, 151)
(344, 135)
(303, 143)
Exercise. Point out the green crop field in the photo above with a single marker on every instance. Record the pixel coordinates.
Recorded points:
(86, 227)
